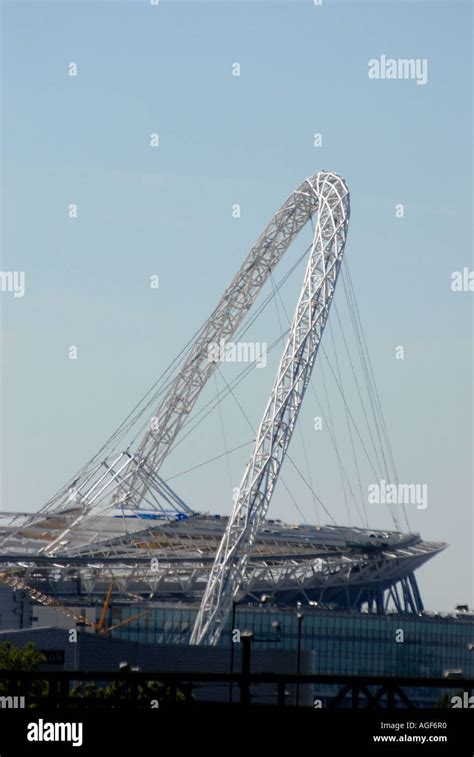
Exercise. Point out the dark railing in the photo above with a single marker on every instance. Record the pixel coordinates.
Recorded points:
(134, 689)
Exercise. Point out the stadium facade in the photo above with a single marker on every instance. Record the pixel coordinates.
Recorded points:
(348, 595)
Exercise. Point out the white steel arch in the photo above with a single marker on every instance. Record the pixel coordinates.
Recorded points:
(221, 325)
(129, 478)
(331, 199)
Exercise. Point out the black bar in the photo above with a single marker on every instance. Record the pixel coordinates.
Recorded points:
(245, 677)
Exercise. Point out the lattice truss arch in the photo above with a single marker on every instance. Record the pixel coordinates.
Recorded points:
(279, 419)
(130, 479)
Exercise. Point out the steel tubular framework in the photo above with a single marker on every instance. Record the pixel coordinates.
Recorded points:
(118, 519)
(331, 200)
(222, 324)
(129, 479)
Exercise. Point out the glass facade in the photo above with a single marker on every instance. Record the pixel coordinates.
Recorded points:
(343, 642)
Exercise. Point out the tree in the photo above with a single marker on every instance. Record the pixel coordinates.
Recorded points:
(143, 694)
(20, 658)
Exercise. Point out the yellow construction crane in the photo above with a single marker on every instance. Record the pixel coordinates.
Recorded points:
(99, 626)
(16, 582)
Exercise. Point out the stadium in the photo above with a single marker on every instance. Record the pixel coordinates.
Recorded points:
(117, 550)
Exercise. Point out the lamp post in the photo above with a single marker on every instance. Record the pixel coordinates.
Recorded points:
(81, 625)
(234, 604)
(275, 625)
(246, 638)
(277, 628)
(299, 617)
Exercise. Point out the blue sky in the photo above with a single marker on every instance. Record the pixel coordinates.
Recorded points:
(167, 211)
